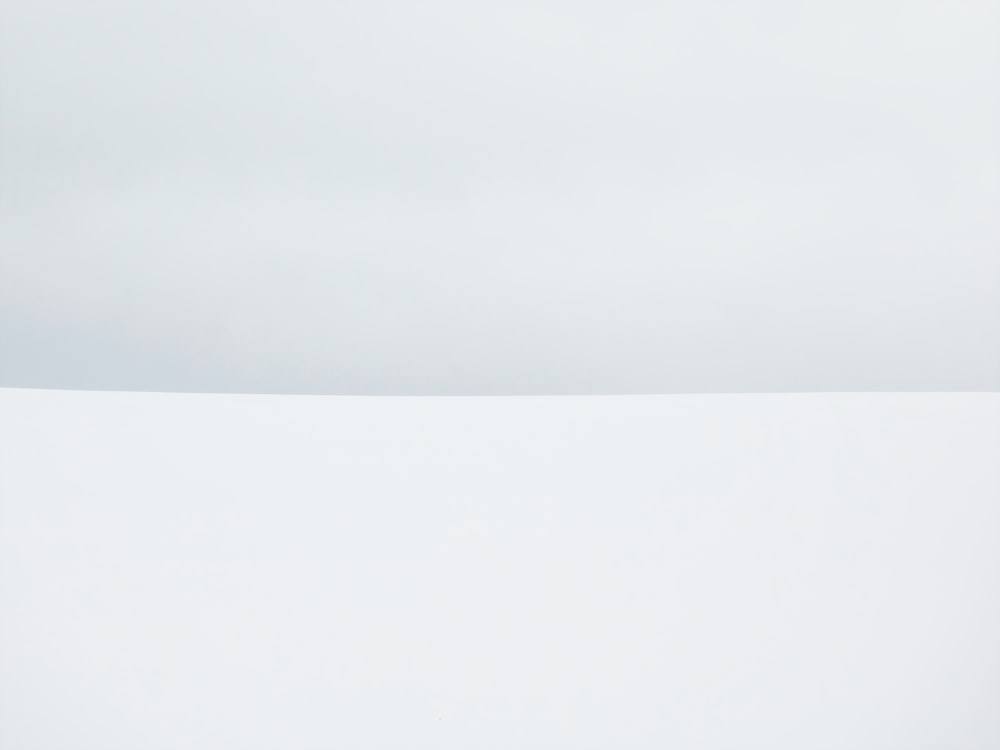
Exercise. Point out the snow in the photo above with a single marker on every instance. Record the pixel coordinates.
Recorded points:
(774, 571)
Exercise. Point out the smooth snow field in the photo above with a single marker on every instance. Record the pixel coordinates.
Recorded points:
(731, 572)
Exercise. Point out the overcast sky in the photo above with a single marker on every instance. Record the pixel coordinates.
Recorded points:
(507, 197)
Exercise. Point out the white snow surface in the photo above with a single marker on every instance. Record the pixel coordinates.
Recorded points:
(235, 572)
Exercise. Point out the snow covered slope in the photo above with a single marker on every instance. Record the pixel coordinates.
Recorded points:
(214, 572)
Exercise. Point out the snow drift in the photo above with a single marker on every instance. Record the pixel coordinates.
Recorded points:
(714, 571)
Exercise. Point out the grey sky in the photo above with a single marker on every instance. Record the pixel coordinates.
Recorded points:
(463, 197)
